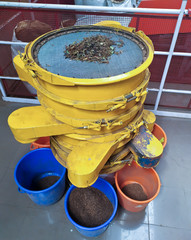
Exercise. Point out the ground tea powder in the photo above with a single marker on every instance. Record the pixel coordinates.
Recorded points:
(89, 207)
(135, 191)
(44, 183)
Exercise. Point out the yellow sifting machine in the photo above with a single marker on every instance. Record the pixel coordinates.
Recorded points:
(93, 112)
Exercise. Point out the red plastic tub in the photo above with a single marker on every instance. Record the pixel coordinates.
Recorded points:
(42, 142)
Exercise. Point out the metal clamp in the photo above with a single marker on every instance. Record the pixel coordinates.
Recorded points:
(94, 125)
(140, 94)
(121, 103)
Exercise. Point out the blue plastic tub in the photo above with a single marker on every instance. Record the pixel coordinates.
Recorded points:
(35, 165)
(109, 191)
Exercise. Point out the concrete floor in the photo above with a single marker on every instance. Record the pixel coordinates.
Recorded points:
(167, 217)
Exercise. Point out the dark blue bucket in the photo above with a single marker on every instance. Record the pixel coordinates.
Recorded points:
(109, 191)
(37, 165)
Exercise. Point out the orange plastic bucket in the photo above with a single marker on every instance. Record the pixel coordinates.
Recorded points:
(160, 134)
(42, 142)
(147, 178)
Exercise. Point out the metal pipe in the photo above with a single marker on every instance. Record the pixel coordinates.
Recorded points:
(171, 114)
(9, 20)
(10, 78)
(183, 54)
(12, 43)
(2, 89)
(39, 6)
(170, 91)
(21, 100)
(168, 61)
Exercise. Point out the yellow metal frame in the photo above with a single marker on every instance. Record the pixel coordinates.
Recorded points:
(100, 121)
(83, 160)
(107, 104)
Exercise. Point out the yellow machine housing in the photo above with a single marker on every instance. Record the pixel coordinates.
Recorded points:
(90, 120)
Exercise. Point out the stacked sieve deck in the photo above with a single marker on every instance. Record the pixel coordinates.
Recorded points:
(91, 109)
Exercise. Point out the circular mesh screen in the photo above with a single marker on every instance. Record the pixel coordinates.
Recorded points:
(48, 52)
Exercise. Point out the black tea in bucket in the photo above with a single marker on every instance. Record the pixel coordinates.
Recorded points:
(41, 176)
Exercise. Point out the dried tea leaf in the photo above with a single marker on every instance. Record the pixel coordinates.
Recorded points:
(97, 48)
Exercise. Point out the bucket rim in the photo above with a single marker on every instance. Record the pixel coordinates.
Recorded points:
(163, 132)
(78, 226)
(28, 191)
(136, 201)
